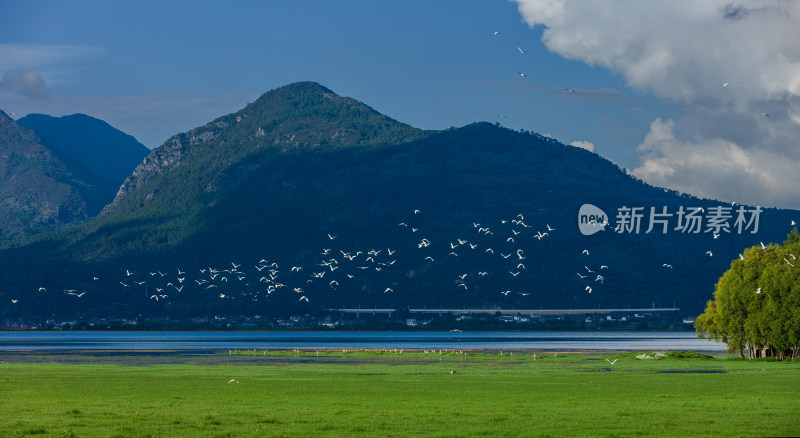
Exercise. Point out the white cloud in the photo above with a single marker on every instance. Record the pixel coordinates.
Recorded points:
(717, 169)
(27, 83)
(583, 144)
(684, 51)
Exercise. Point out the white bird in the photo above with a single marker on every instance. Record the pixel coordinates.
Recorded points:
(522, 75)
(589, 289)
(497, 34)
(41, 289)
(462, 284)
(416, 211)
(489, 250)
(741, 257)
(334, 282)
(585, 251)
(388, 289)
(76, 294)
(710, 254)
(765, 114)
(296, 268)
(521, 51)
(129, 273)
(590, 271)
(603, 267)
(519, 255)
(758, 291)
(725, 84)
(550, 229)
(297, 290)
(793, 223)
(303, 298)
(14, 301)
(612, 362)
(579, 275)
(513, 274)
(233, 381)
(505, 256)
(599, 278)
(762, 245)
(520, 265)
(506, 292)
(667, 265)
(715, 235)
(332, 237)
(429, 258)
(787, 261)
(463, 276)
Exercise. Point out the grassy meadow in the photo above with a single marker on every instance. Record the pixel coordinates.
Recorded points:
(369, 393)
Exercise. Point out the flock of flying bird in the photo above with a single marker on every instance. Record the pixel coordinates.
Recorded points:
(476, 258)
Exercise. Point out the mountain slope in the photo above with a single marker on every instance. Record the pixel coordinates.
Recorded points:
(93, 143)
(192, 170)
(40, 189)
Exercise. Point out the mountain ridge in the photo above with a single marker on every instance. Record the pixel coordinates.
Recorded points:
(251, 201)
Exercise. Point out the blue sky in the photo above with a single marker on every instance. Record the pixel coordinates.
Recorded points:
(645, 95)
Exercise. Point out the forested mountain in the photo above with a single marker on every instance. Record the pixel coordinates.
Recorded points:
(96, 145)
(40, 188)
(305, 200)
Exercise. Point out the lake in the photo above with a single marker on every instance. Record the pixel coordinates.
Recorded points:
(187, 341)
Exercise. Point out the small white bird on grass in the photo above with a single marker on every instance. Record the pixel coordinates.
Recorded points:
(233, 381)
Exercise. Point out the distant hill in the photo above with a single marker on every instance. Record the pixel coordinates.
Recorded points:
(96, 145)
(305, 200)
(40, 188)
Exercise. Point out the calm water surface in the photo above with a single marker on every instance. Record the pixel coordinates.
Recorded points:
(42, 341)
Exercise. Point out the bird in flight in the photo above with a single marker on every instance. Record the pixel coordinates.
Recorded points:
(710, 254)
(497, 33)
(612, 362)
(589, 289)
(521, 74)
(585, 251)
(520, 50)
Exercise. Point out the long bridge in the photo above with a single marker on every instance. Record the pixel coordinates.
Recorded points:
(446, 311)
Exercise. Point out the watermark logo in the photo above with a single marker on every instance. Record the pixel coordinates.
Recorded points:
(591, 219)
(686, 220)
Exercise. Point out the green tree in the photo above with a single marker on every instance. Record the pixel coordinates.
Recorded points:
(756, 303)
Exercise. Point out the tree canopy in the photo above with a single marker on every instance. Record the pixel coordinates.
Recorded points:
(756, 303)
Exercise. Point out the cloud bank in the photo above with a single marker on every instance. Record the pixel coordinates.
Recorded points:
(733, 69)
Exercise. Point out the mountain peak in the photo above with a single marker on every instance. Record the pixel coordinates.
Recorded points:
(296, 118)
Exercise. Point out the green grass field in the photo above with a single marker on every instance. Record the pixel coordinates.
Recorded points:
(312, 394)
